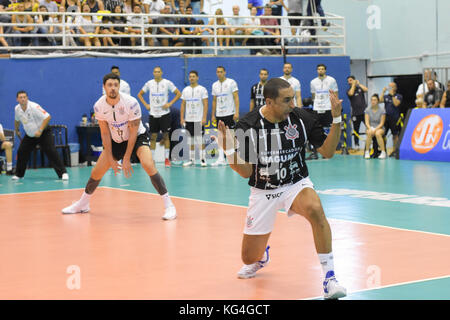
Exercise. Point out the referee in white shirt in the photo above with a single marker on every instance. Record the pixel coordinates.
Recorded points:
(35, 123)
(320, 93)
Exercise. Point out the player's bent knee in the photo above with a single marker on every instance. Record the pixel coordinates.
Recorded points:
(313, 211)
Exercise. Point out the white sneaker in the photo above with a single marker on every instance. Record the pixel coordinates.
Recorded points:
(65, 176)
(249, 270)
(15, 178)
(188, 164)
(367, 155)
(203, 163)
(331, 287)
(76, 207)
(170, 213)
(382, 155)
(220, 162)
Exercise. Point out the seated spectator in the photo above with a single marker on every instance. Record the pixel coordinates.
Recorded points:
(254, 29)
(5, 5)
(174, 40)
(420, 104)
(136, 30)
(237, 21)
(270, 31)
(375, 116)
(51, 5)
(71, 5)
(3, 42)
(153, 7)
(18, 29)
(189, 42)
(433, 96)
(421, 91)
(105, 29)
(220, 21)
(44, 29)
(171, 4)
(445, 101)
(119, 30)
(88, 28)
(204, 30)
(69, 32)
(94, 5)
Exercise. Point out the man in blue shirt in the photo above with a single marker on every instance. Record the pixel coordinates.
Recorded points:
(258, 4)
(392, 102)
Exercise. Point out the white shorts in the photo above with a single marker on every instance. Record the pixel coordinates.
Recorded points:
(264, 205)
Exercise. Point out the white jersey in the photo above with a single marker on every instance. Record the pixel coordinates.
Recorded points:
(118, 116)
(124, 87)
(31, 118)
(158, 96)
(295, 84)
(194, 102)
(223, 91)
(321, 89)
(1, 130)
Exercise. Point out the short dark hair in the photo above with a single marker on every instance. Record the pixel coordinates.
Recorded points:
(264, 69)
(189, 7)
(114, 67)
(321, 65)
(353, 77)
(273, 86)
(221, 68)
(194, 72)
(20, 92)
(111, 76)
(376, 96)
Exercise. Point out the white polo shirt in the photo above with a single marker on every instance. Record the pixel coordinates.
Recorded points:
(118, 116)
(321, 88)
(124, 87)
(194, 102)
(31, 118)
(158, 96)
(224, 97)
(295, 84)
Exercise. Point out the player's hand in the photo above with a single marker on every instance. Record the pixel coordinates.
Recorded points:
(182, 122)
(38, 134)
(225, 139)
(336, 104)
(126, 167)
(203, 122)
(236, 117)
(115, 166)
(166, 106)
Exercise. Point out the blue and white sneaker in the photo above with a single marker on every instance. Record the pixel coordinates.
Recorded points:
(249, 270)
(331, 287)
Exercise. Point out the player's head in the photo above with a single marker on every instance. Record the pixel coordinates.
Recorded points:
(263, 75)
(157, 72)
(279, 96)
(287, 69)
(221, 73)
(374, 100)
(111, 84)
(193, 77)
(115, 69)
(321, 70)
(350, 79)
(22, 97)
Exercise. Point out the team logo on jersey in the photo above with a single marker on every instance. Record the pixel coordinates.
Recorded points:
(291, 132)
(121, 111)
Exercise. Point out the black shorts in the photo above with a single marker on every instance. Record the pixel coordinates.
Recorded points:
(325, 118)
(162, 124)
(199, 129)
(228, 120)
(391, 123)
(294, 22)
(119, 149)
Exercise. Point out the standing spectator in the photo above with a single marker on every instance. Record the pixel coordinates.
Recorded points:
(7, 146)
(294, 9)
(319, 10)
(35, 123)
(427, 75)
(258, 4)
(197, 6)
(18, 29)
(173, 32)
(392, 101)
(433, 96)
(237, 21)
(159, 108)
(445, 102)
(193, 114)
(188, 42)
(225, 104)
(94, 5)
(153, 7)
(111, 5)
(295, 84)
(375, 116)
(270, 31)
(277, 9)
(221, 31)
(358, 103)
(257, 91)
(71, 5)
(51, 5)
(88, 28)
(180, 7)
(119, 30)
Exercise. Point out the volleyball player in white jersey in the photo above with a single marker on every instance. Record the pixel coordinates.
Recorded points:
(295, 83)
(123, 134)
(159, 108)
(193, 113)
(124, 86)
(225, 104)
(320, 93)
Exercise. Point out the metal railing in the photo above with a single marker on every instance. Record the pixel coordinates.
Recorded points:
(310, 38)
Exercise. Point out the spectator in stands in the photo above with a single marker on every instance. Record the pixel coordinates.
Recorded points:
(88, 28)
(134, 20)
(5, 5)
(258, 4)
(7, 147)
(277, 9)
(105, 29)
(392, 102)
(18, 29)
(445, 101)
(420, 104)
(111, 5)
(94, 5)
(237, 21)
(270, 31)
(188, 42)
(319, 10)
(358, 103)
(119, 30)
(42, 29)
(71, 5)
(173, 32)
(171, 5)
(51, 5)
(69, 30)
(197, 6)
(30, 5)
(221, 31)
(180, 7)
(427, 75)
(153, 7)
(433, 96)
(3, 42)
(128, 6)
(253, 29)
(375, 117)
(294, 9)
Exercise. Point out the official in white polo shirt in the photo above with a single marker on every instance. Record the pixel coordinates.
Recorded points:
(35, 123)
